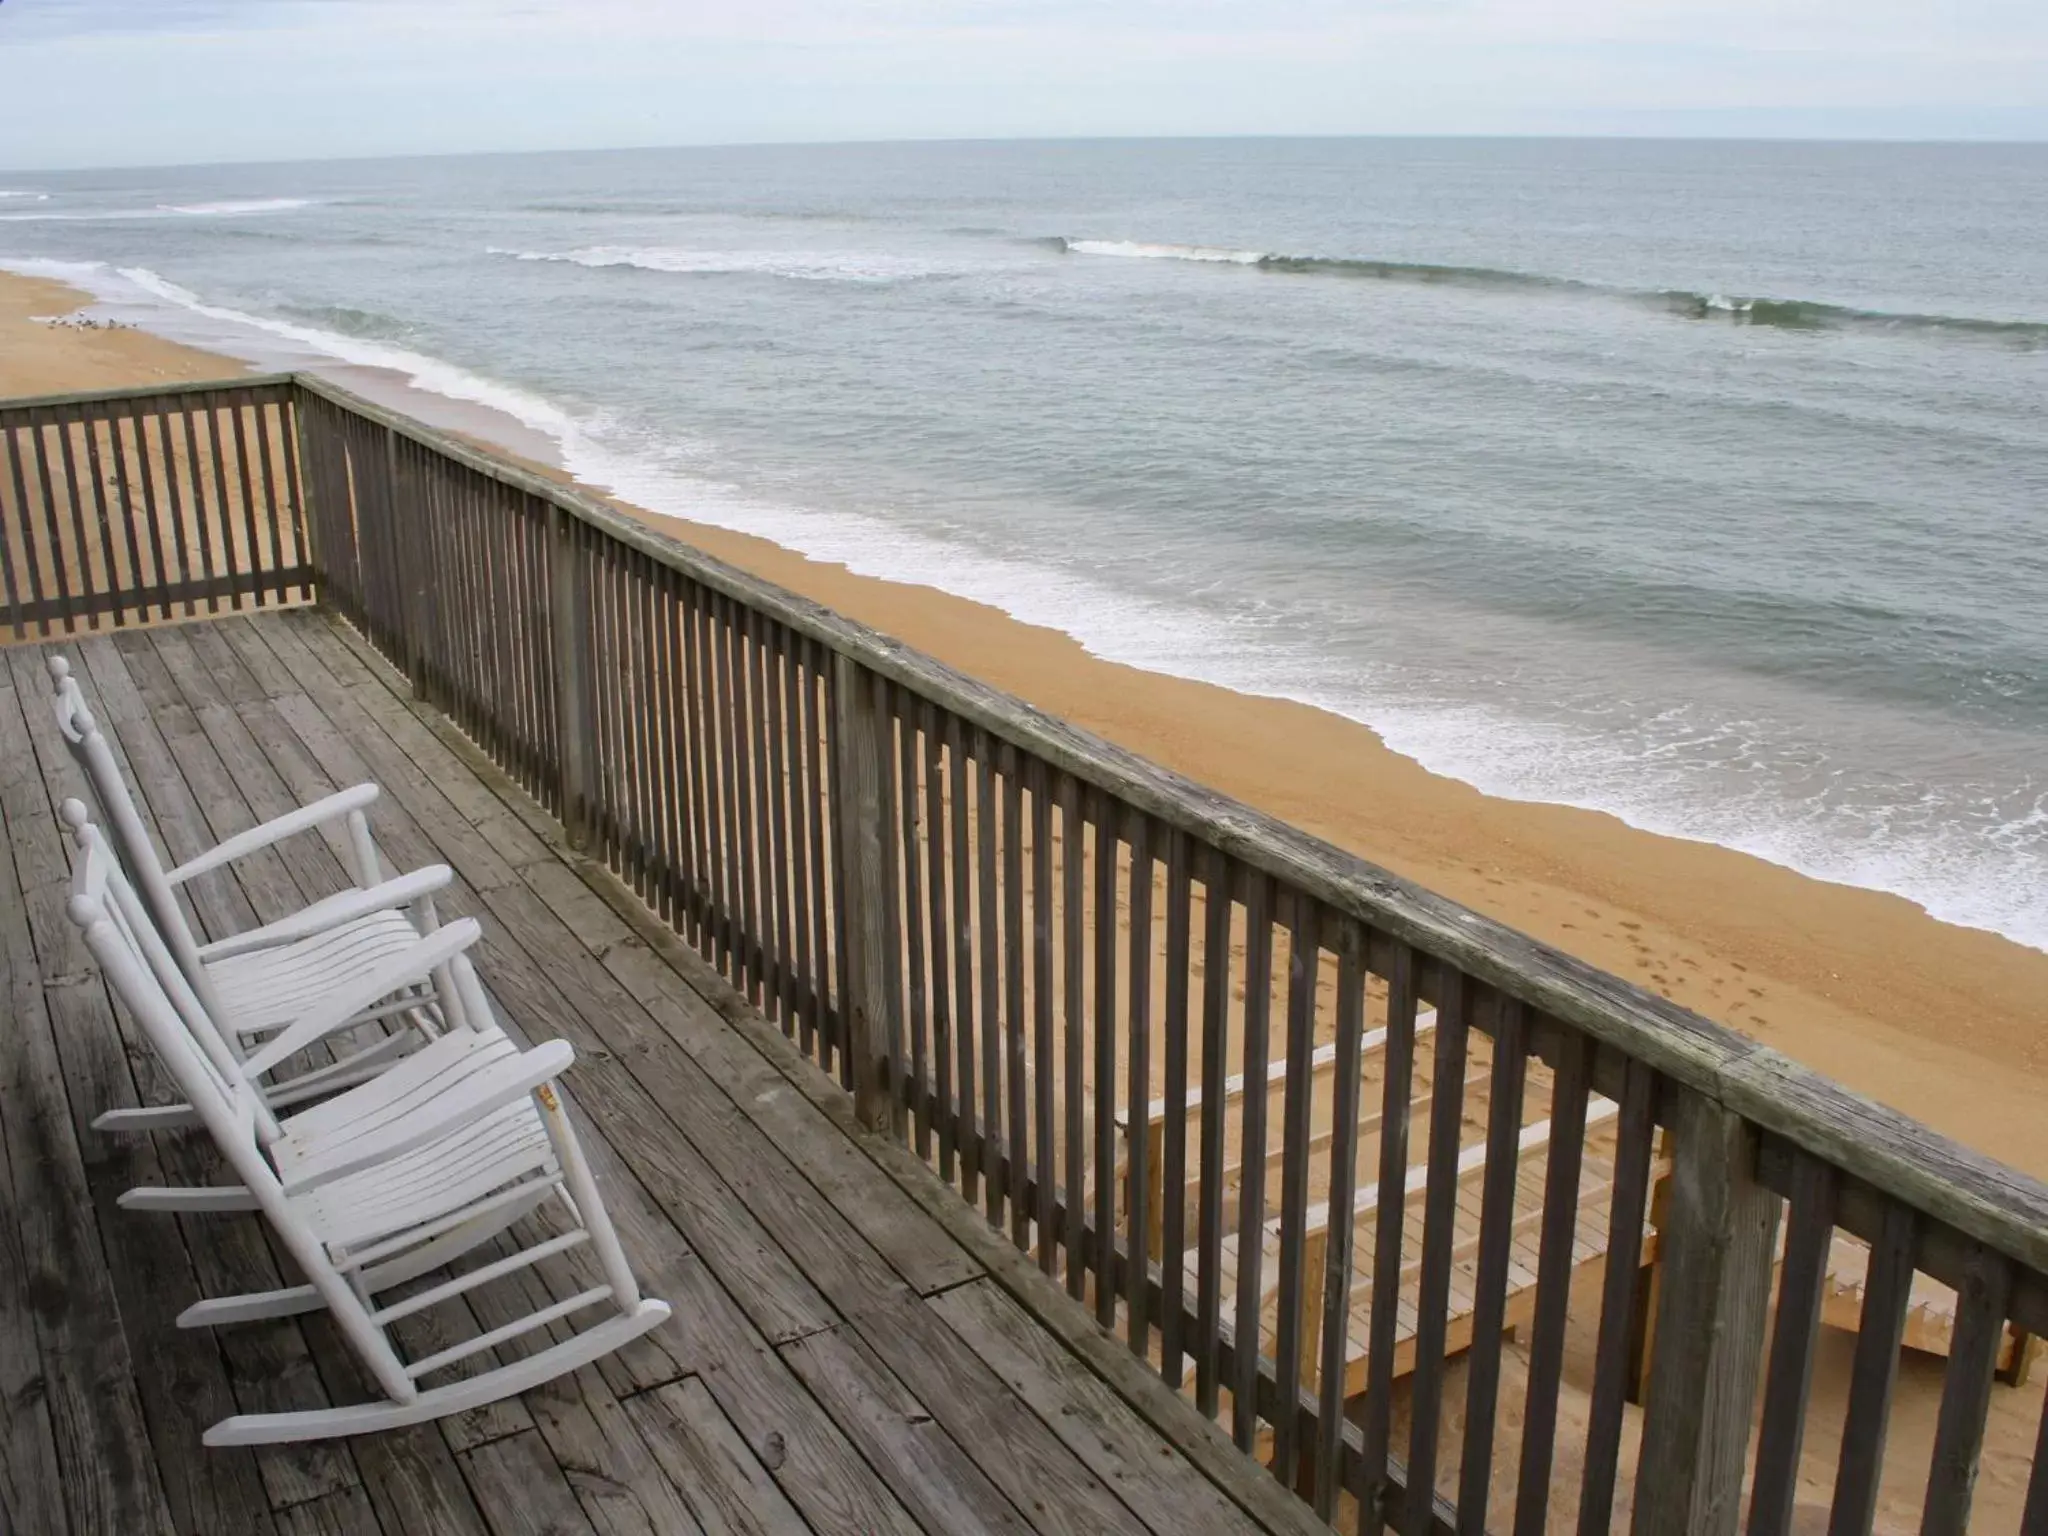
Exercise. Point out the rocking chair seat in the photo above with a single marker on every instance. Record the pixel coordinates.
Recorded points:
(263, 991)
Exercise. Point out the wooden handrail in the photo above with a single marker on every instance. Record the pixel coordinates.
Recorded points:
(1978, 1196)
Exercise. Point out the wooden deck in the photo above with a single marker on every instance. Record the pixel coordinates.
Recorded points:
(852, 1349)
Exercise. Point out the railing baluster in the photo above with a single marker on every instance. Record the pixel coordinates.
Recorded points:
(1341, 1242)
(1630, 1191)
(786, 776)
(1209, 1178)
(74, 589)
(991, 924)
(1808, 1237)
(203, 514)
(1396, 1100)
(146, 476)
(1173, 1180)
(959, 776)
(1887, 1288)
(1016, 1142)
(1966, 1393)
(16, 613)
(766, 863)
(1295, 1334)
(1044, 1160)
(167, 451)
(75, 498)
(103, 521)
(1505, 1087)
(1251, 1186)
(1104, 1025)
(2034, 1516)
(1138, 1209)
(258, 586)
(1073, 1011)
(934, 919)
(1439, 1222)
(916, 997)
(860, 731)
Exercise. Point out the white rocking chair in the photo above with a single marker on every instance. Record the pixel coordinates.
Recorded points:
(387, 1182)
(255, 983)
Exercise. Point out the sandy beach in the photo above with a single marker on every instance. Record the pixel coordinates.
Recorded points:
(1940, 1021)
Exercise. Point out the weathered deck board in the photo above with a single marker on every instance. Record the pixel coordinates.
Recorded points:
(842, 1359)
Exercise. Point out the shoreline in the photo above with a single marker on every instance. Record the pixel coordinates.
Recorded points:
(1942, 1022)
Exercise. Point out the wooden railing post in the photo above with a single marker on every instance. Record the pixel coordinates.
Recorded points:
(1715, 1249)
(860, 740)
(413, 540)
(569, 625)
(313, 552)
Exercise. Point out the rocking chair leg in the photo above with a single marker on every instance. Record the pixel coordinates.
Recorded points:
(155, 1117)
(190, 1200)
(251, 1307)
(471, 1392)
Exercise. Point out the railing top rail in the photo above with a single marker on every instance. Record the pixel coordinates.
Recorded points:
(1984, 1199)
(166, 389)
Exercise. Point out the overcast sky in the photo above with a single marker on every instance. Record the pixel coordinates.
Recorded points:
(129, 82)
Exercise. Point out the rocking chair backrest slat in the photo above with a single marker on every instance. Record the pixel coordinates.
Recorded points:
(118, 813)
(118, 934)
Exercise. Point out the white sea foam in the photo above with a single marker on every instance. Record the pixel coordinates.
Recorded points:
(238, 206)
(230, 208)
(1152, 251)
(1987, 871)
(27, 197)
(807, 266)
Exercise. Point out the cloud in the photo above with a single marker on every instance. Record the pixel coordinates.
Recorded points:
(120, 81)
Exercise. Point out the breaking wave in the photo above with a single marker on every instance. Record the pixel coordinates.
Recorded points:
(804, 266)
(1785, 314)
(229, 208)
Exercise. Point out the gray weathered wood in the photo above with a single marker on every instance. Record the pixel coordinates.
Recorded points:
(1887, 1291)
(1073, 1050)
(1626, 1206)
(1209, 1178)
(1966, 1396)
(1174, 1146)
(1715, 1246)
(1304, 954)
(1103, 1036)
(1391, 1216)
(1505, 1089)
(860, 735)
(1138, 1088)
(729, 1491)
(1439, 1223)
(971, 1129)
(1809, 1234)
(1252, 1154)
(569, 610)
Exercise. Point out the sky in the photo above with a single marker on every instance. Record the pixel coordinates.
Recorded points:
(135, 82)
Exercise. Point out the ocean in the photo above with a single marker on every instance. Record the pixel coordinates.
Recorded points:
(1704, 483)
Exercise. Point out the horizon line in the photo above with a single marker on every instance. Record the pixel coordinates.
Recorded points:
(1903, 142)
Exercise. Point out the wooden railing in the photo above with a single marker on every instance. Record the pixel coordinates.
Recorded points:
(149, 504)
(1298, 1130)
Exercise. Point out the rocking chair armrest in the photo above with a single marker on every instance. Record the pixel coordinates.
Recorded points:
(410, 967)
(490, 1090)
(304, 819)
(333, 911)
